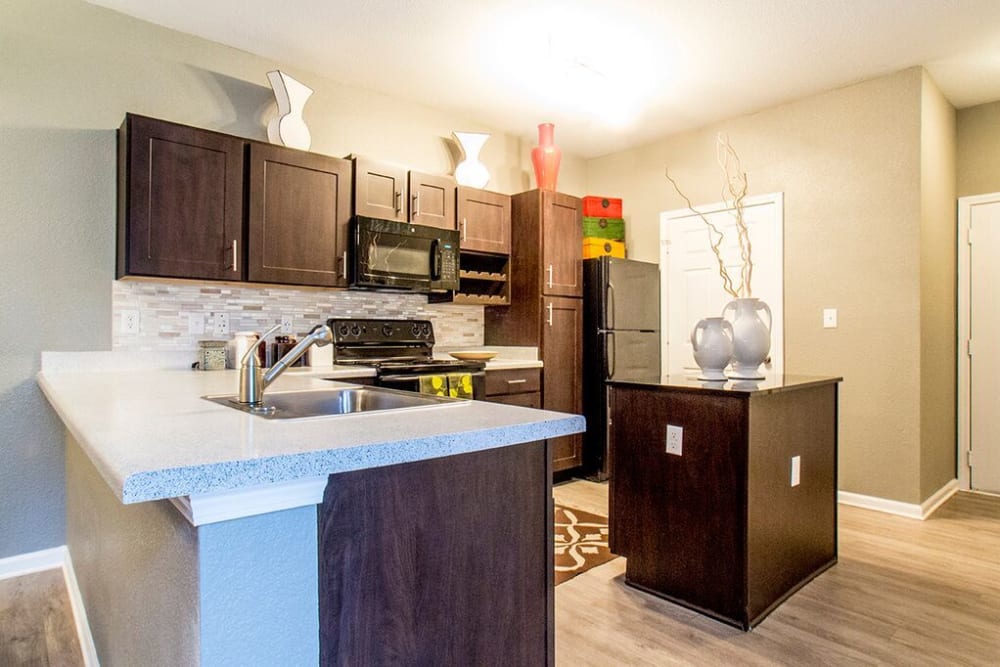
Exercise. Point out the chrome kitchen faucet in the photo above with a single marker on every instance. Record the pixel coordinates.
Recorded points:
(253, 379)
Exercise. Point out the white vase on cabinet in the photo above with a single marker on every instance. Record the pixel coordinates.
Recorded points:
(751, 337)
(713, 348)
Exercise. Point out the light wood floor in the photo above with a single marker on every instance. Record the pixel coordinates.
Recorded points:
(904, 592)
(36, 622)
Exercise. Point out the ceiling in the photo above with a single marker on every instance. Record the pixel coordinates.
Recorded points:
(610, 75)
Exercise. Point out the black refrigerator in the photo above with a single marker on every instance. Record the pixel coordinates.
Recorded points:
(621, 335)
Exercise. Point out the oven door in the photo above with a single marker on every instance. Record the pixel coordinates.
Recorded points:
(457, 384)
(396, 255)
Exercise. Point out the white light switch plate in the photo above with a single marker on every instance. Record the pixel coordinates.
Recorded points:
(829, 318)
(796, 470)
(196, 323)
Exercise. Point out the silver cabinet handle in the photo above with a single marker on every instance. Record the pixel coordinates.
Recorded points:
(236, 257)
(465, 230)
(519, 381)
(416, 204)
(398, 200)
(549, 271)
(549, 319)
(344, 269)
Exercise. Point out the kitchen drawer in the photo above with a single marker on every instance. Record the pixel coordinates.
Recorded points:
(514, 381)
(530, 400)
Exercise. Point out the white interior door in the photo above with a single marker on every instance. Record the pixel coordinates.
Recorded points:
(691, 287)
(982, 319)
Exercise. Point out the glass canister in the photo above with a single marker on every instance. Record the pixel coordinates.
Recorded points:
(212, 355)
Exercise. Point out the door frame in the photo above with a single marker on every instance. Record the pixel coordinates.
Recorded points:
(964, 361)
(778, 231)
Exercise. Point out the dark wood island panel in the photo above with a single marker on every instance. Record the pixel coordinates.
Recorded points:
(439, 562)
(721, 529)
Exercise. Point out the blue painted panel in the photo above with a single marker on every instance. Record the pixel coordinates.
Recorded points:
(259, 590)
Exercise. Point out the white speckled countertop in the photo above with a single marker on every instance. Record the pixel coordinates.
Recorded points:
(151, 435)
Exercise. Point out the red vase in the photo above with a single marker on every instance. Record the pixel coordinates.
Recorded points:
(545, 158)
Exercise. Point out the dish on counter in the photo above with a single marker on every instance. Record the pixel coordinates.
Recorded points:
(474, 355)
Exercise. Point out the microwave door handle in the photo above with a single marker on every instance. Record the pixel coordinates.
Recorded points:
(435, 260)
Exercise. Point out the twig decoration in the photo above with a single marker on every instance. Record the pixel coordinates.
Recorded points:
(734, 192)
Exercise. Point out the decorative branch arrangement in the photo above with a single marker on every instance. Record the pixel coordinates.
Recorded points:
(734, 192)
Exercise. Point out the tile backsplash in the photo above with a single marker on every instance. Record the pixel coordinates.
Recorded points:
(166, 311)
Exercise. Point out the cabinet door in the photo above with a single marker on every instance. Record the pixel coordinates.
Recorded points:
(300, 206)
(483, 220)
(432, 200)
(181, 201)
(379, 190)
(562, 245)
(562, 353)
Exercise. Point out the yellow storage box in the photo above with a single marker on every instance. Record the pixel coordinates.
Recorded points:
(596, 247)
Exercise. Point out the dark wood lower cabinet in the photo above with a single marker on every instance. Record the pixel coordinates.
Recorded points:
(724, 528)
(439, 562)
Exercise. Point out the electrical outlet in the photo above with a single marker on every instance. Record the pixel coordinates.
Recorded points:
(196, 323)
(829, 318)
(796, 470)
(130, 321)
(221, 324)
(675, 438)
(287, 324)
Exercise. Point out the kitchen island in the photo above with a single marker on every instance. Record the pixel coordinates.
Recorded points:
(203, 535)
(734, 508)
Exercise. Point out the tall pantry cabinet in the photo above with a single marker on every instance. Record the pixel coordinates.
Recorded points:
(546, 307)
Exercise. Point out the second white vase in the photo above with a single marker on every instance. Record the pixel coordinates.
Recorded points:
(751, 337)
(713, 348)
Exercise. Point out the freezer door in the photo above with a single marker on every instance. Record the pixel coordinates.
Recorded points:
(632, 355)
(632, 299)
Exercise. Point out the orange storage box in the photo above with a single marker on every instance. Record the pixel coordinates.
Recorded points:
(602, 207)
(596, 247)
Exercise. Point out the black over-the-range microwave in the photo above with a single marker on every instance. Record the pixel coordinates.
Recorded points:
(397, 255)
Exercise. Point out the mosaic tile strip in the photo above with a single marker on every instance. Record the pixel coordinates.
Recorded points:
(169, 312)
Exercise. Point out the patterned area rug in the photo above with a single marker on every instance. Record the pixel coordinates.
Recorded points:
(581, 542)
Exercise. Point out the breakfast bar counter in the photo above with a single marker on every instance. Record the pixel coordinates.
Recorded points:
(201, 534)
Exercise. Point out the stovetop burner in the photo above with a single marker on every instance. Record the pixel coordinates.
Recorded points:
(392, 346)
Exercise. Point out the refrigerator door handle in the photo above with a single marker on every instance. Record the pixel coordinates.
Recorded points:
(609, 354)
(609, 306)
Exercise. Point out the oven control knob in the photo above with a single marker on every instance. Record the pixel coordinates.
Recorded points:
(355, 330)
(427, 328)
(415, 329)
(344, 329)
(386, 330)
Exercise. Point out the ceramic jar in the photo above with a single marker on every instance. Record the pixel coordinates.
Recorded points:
(545, 158)
(713, 348)
(751, 337)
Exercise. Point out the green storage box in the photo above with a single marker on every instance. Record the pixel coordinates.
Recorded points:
(604, 228)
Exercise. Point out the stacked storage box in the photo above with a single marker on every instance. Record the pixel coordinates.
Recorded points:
(603, 227)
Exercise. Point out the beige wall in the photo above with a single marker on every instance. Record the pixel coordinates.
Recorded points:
(850, 165)
(69, 72)
(978, 130)
(938, 284)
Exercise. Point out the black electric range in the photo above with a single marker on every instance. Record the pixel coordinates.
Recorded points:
(402, 354)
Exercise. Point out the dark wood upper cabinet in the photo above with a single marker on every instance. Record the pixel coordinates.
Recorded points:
(483, 220)
(299, 210)
(562, 244)
(432, 200)
(180, 211)
(380, 189)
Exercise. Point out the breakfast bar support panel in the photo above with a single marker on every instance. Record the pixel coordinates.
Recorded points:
(159, 591)
(440, 562)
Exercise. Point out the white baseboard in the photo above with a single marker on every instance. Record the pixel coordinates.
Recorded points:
(51, 559)
(909, 510)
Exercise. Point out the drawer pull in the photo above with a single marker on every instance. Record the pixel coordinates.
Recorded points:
(518, 381)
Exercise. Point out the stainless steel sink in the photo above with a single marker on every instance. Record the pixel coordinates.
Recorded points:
(331, 402)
